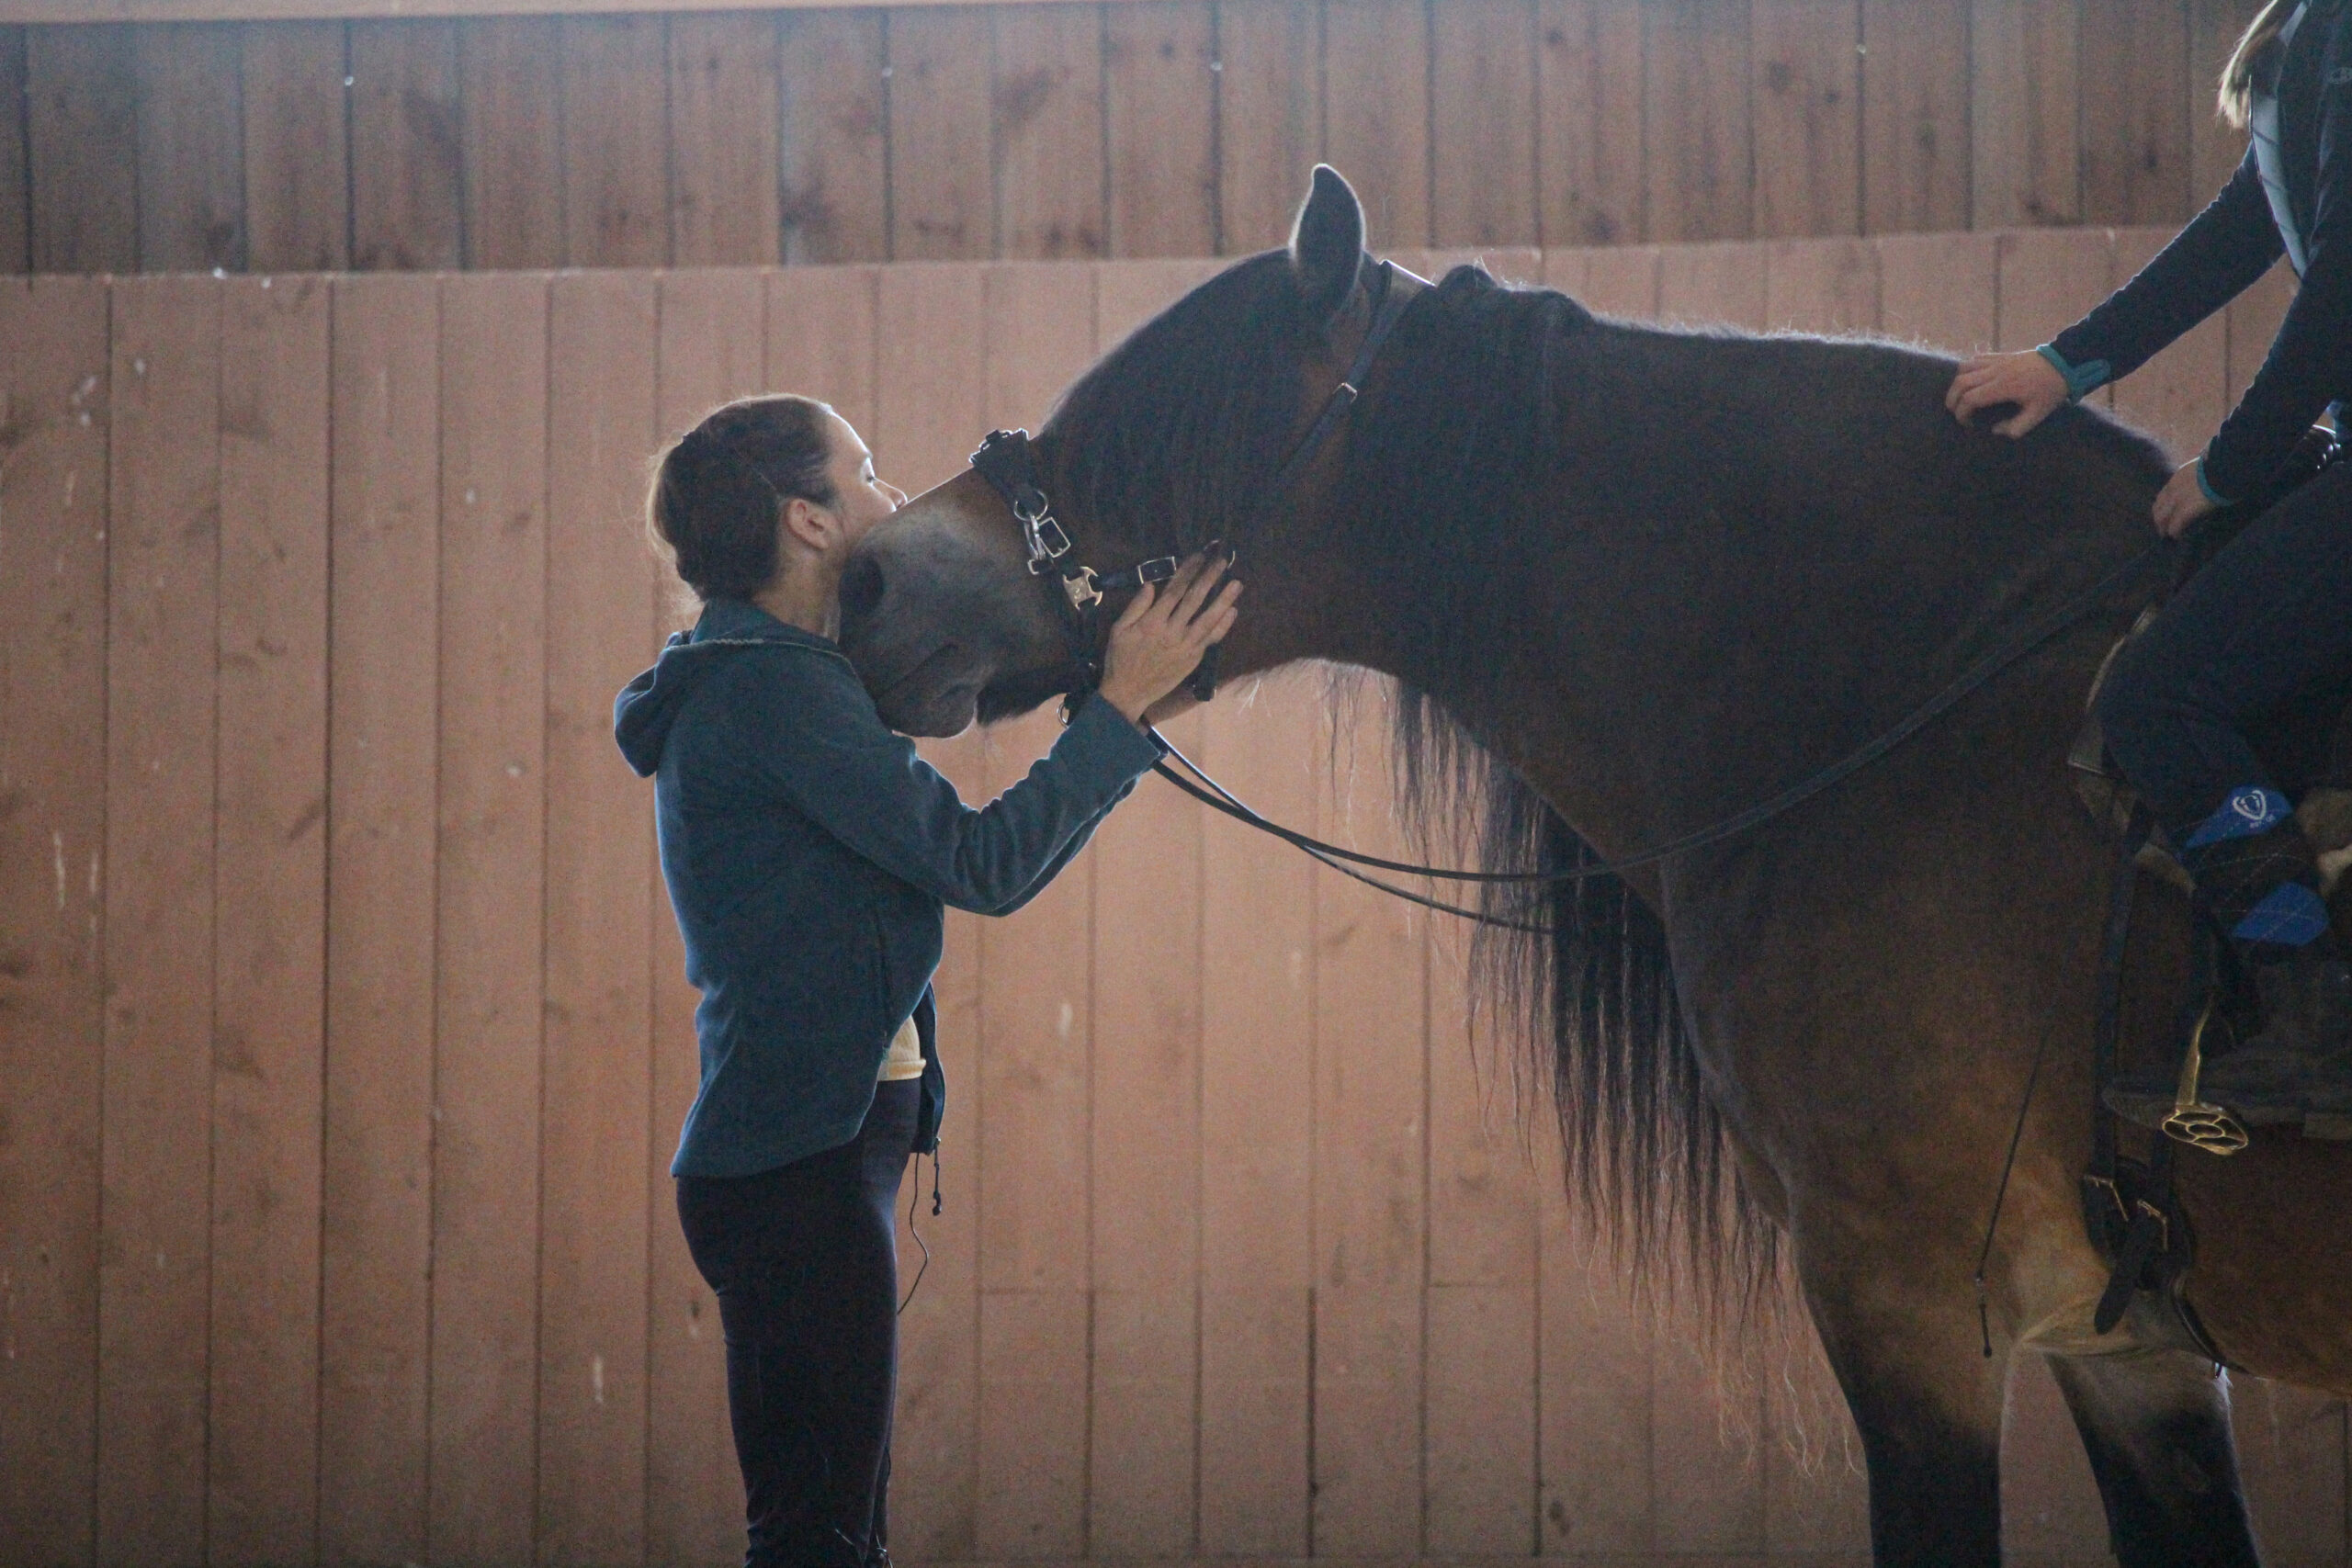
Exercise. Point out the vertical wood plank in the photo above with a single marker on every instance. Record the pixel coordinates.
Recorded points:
(1940, 290)
(1820, 285)
(407, 209)
(2136, 111)
(1699, 143)
(943, 201)
(2292, 1447)
(1270, 118)
(835, 201)
(297, 174)
(1257, 1118)
(15, 191)
(1160, 109)
(712, 351)
(1376, 113)
(2181, 395)
(491, 756)
(1816, 1497)
(1483, 122)
(1045, 96)
(1480, 1443)
(2050, 1504)
(162, 565)
(2252, 320)
(1705, 1425)
(1720, 285)
(81, 147)
(1589, 104)
(1623, 280)
(1371, 1170)
(381, 755)
(2214, 145)
(2047, 282)
(270, 917)
(1916, 122)
(53, 767)
(2025, 83)
(616, 177)
(191, 148)
(724, 136)
(1806, 87)
(928, 393)
(596, 1077)
(1595, 1349)
(820, 341)
(511, 72)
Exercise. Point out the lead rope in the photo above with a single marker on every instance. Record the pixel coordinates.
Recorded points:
(914, 1198)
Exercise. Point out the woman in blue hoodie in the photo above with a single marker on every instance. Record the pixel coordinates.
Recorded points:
(2269, 620)
(808, 853)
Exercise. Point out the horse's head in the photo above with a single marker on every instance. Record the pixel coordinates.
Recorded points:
(1172, 440)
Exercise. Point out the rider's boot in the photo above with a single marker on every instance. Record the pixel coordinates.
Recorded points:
(2257, 879)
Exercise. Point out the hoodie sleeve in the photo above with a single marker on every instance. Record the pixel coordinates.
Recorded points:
(803, 724)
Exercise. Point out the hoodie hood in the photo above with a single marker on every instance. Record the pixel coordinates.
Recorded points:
(650, 704)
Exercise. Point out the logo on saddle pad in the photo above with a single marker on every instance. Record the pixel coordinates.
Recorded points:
(2246, 812)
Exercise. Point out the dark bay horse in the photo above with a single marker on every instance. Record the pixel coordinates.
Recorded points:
(1630, 580)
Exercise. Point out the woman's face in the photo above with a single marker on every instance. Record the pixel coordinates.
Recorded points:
(860, 500)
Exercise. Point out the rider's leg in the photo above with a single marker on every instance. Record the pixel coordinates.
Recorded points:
(2265, 621)
(2158, 1429)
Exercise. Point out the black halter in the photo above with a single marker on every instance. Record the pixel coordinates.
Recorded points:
(1004, 460)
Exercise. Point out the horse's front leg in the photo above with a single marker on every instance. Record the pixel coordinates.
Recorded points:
(2157, 1426)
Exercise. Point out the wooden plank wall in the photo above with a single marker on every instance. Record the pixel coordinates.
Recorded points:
(1046, 130)
(344, 1040)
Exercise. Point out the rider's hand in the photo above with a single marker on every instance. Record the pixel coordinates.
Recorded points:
(2181, 501)
(1988, 380)
(1166, 628)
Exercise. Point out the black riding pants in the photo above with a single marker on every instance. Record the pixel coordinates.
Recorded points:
(804, 1261)
(2256, 650)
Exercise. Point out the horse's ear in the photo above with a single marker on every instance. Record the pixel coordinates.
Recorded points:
(1326, 246)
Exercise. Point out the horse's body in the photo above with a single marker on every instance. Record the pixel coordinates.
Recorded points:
(1662, 576)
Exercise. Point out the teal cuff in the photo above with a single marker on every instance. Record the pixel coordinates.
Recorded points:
(2082, 379)
(2216, 497)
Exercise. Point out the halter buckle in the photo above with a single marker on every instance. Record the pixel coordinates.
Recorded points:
(1080, 587)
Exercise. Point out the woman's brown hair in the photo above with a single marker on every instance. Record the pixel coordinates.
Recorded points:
(716, 491)
(2237, 77)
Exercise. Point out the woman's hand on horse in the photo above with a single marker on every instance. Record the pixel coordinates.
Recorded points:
(2181, 501)
(1164, 630)
(2024, 379)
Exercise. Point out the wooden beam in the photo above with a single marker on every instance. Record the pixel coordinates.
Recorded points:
(357, 10)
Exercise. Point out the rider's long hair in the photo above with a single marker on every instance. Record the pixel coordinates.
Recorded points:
(2237, 77)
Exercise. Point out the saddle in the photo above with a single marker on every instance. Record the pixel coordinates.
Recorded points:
(2131, 1207)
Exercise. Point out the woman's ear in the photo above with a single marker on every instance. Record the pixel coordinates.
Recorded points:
(809, 524)
(1327, 247)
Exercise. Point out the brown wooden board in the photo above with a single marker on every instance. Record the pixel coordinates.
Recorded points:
(1805, 85)
(712, 350)
(943, 199)
(1047, 150)
(1940, 290)
(16, 195)
(615, 180)
(1705, 1423)
(154, 1253)
(1596, 1343)
(1696, 156)
(1622, 280)
(820, 341)
(1270, 116)
(835, 203)
(2135, 98)
(928, 416)
(2181, 395)
(492, 827)
(510, 69)
(724, 140)
(53, 384)
(594, 1108)
(1916, 116)
(1817, 1497)
(2254, 318)
(1256, 1118)
(1160, 119)
(1371, 1194)
(2047, 282)
(2025, 62)
(191, 148)
(269, 905)
(2291, 1444)
(1376, 113)
(81, 148)
(1820, 285)
(1589, 107)
(1036, 1024)
(381, 755)
(1712, 284)
(2214, 145)
(407, 180)
(297, 174)
(1483, 122)
(2050, 1504)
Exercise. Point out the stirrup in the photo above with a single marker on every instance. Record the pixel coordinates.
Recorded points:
(2212, 1128)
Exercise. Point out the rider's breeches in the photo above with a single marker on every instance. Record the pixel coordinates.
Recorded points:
(803, 1260)
(2263, 631)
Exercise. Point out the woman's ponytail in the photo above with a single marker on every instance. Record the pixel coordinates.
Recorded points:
(2237, 77)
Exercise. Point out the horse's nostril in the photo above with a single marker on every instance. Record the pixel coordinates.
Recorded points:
(861, 589)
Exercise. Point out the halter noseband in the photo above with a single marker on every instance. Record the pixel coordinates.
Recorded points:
(1004, 460)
